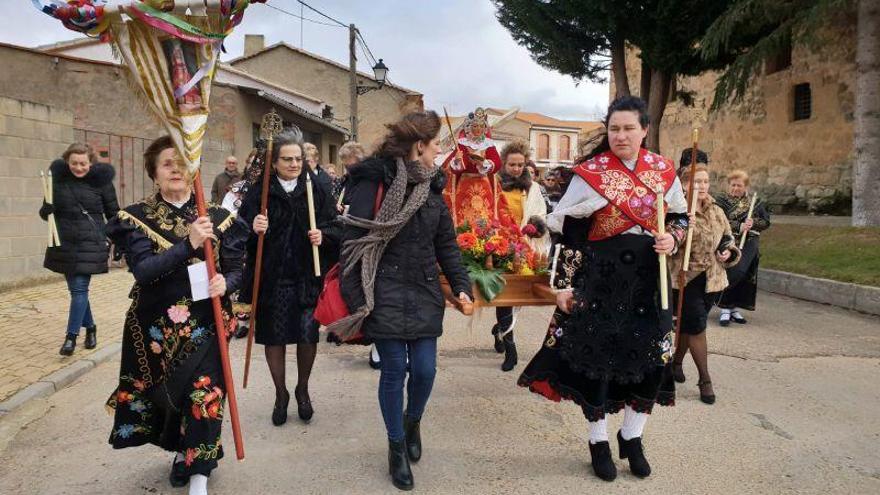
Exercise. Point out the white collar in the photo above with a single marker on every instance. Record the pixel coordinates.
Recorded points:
(288, 185)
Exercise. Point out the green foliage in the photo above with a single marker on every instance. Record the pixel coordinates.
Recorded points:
(490, 282)
(751, 31)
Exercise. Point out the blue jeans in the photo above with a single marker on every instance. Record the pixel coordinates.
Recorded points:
(80, 310)
(422, 368)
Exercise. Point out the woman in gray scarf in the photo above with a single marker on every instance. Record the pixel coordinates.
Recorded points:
(390, 276)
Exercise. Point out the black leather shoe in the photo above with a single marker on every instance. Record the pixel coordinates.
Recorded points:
(413, 439)
(706, 398)
(678, 373)
(68, 346)
(398, 466)
(738, 318)
(279, 413)
(510, 357)
(303, 405)
(603, 465)
(178, 476)
(241, 331)
(632, 450)
(91, 337)
(724, 319)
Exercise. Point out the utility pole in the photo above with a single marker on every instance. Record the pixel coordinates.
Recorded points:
(352, 81)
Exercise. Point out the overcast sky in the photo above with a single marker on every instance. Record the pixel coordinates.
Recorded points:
(453, 51)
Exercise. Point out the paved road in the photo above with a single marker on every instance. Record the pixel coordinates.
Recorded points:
(797, 412)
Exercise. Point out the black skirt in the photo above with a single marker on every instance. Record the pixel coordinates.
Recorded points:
(284, 321)
(613, 349)
(742, 278)
(696, 305)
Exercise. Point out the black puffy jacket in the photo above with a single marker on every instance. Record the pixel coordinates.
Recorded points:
(408, 301)
(81, 207)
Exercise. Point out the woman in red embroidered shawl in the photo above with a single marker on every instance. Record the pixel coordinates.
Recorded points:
(609, 339)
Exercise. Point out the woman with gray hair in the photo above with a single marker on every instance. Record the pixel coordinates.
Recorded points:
(289, 288)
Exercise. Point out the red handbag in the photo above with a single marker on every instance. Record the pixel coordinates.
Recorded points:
(331, 306)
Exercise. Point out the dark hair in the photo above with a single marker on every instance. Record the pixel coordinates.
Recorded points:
(621, 104)
(79, 149)
(291, 135)
(685, 160)
(402, 135)
(515, 148)
(151, 154)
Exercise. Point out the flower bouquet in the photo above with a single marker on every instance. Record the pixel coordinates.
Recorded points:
(502, 265)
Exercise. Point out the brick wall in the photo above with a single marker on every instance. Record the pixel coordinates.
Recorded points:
(31, 136)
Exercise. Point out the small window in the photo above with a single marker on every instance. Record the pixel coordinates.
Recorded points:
(803, 102)
(780, 61)
(543, 146)
(564, 148)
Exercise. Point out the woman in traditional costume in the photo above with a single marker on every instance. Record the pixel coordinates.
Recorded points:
(289, 288)
(609, 340)
(712, 250)
(742, 290)
(171, 390)
(527, 207)
(391, 279)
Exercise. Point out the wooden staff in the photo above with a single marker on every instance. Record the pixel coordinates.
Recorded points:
(221, 328)
(310, 197)
(692, 205)
(269, 127)
(53, 238)
(454, 177)
(745, 234)
(661, 229)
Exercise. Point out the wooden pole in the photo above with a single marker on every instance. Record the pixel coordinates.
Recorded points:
(221, 329)
(310, 198)
(742, 241)
(352, 82)
(692, 207)
(661, 229)
(270, 126)
(457, 152)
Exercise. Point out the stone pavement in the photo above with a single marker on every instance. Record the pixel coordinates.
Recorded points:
(33, 322)
(796, 414)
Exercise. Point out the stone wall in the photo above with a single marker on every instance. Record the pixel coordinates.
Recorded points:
(31, 135)
(803, 165)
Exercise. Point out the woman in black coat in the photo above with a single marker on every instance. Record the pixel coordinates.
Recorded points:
(83, 199)
(400, 248)
(289, 288)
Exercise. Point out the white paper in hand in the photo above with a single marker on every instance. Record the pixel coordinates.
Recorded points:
(198, 280)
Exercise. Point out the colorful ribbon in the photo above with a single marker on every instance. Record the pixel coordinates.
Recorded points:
(84, 16)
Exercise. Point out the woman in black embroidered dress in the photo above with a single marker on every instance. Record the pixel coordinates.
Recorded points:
(171, 389)
(743, 278)
(289, 288)
(609, 340)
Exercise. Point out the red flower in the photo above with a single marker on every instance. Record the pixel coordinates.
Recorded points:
(196, 412)
(214, 410)
(190, 457)
(203, 381)
(530, 230)
(489, 247)
(467, 240)
(122, 397)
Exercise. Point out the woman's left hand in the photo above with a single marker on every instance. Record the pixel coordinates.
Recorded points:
(464, 297)
(723, 256)
(217, 286)
(663, 243)
(315, 237)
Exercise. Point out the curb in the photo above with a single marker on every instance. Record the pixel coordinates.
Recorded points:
(59, 379)
(861, 298)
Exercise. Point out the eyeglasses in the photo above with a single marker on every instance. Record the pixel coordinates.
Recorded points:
(289, 159)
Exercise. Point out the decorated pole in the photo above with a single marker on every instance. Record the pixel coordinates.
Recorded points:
(457, 152)
(692, 207)
(269, 127)
(661, 229)
(222, 342)
(52, 235)
(310, 199)
(745, 234)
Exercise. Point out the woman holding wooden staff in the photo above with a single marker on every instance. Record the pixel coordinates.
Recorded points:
(609, 339)
(79, 197)
(742, 290)
(712, 250)
(289, 287)
(171, 390)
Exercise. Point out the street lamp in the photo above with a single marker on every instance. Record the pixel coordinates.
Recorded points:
(380, 71)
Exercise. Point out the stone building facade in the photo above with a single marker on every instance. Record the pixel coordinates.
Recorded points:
(793, 132)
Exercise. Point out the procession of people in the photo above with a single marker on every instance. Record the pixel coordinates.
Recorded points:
(384, 239)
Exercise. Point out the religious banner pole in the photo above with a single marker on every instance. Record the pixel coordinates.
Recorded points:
(310, 198)
(269, 127)
(742, 241)
(661, 229)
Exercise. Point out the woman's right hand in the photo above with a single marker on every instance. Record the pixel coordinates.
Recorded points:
(200, 231)
(564, 301)
(261, 224)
